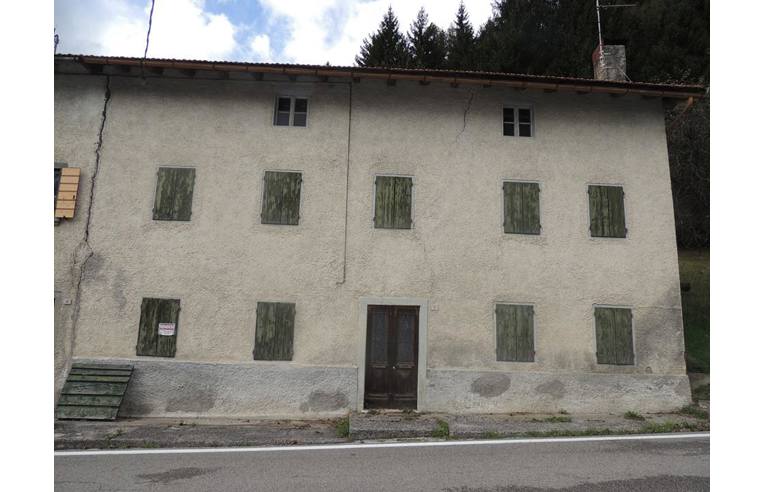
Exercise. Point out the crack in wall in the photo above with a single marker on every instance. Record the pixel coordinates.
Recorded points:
(84, 245)
(467, 108)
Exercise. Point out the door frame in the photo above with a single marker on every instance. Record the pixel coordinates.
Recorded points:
(422, 303)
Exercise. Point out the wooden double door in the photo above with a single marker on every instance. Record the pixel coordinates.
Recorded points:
(392, 348)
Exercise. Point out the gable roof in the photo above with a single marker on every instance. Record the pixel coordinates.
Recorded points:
(156, 66)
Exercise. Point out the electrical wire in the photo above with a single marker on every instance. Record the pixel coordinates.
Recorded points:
(148, 35)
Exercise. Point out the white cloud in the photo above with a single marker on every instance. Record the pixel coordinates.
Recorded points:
(180, 29)
(333, 30)
(298, 31)
(260, 47)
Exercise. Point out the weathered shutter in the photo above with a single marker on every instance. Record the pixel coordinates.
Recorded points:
(174, 195)
(154, 312)
(614, 337)
(393, 202)
(184, 193)
(521, 208)
(281, 198)
(606, 211)
(274, 331)
(514, 333)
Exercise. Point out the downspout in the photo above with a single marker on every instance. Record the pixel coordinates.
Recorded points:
(347, 186)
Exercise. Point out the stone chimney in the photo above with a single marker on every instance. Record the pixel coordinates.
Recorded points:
(613, 65)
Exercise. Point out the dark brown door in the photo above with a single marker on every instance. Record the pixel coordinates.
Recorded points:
(391, 357)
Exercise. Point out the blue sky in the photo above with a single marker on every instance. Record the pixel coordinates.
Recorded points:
(289, 31)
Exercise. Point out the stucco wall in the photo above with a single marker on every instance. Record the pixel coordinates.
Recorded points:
(78, 106)
(449, 139)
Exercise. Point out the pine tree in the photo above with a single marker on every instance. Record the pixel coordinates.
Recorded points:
(427, 43)
(385, 48)
(461, 42)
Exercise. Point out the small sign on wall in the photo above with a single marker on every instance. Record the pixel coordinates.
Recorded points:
(167, 329)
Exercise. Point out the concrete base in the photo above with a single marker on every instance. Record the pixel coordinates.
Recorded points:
(457, 391)
(169, 388)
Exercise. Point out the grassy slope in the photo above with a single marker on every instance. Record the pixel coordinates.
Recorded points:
(694, 269)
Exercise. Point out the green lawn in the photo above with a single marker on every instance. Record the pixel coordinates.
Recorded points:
(694, 269)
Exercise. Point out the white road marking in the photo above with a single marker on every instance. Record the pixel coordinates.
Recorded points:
(376, 445)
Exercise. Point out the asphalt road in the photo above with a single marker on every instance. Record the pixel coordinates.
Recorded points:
(662, 462)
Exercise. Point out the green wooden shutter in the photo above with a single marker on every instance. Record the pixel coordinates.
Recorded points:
(274, 331)
(154, 312)
(281, 198)
(392, 208)
(606, 211)
(614, 337)
(521, 208)
(514, 333)
(174, 194)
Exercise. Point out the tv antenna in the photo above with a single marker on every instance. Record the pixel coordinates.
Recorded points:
(599, 25)
(55, 41)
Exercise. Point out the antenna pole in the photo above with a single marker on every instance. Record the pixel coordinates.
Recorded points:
(55, 41)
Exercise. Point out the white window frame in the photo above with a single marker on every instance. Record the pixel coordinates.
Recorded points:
(291, 110)
(516, 109)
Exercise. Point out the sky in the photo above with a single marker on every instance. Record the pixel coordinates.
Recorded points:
(279, 31)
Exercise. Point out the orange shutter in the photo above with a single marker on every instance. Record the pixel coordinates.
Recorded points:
(66, 200)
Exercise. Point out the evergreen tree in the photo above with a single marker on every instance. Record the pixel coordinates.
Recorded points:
(427, 43)
(461, 42)
(385, 48)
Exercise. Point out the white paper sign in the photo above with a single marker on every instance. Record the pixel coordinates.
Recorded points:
(167, 329)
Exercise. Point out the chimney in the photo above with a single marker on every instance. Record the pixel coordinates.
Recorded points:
(613, 64)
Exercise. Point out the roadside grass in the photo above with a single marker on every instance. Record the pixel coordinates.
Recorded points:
(668, 426)
(441, 431)
(343, 427)
(490, 435)
(113, 435)
(554, 418)
(633, 416)
(694, 411)
(694, 270)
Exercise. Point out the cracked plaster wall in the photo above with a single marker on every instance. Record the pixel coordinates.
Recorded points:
(223, 261)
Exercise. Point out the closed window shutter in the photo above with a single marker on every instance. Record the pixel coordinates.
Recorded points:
(606, 211)
(514, 333)
(174, 194)
(521, 208)
(67, 184)
(614, 336)
(274, 331)
(154, 312)
(281, 198)
(393, 202)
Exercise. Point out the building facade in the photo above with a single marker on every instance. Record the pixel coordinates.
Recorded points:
(260, 240)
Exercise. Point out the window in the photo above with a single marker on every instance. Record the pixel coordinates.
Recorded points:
(614, 338)
(514, 333)
(521, 208)
(392, 202)
(66, 182)
(518, 122)
(281, 198)
(606, 211)
(274, 331)
(291, 111)
(175, 190)
(158, 329)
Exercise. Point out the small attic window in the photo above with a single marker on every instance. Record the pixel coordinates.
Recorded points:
(518, 121)
(291, 111)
